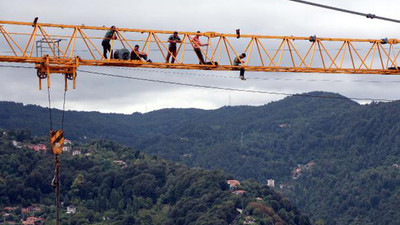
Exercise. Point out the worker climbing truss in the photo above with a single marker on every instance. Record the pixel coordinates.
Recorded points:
(82, 46)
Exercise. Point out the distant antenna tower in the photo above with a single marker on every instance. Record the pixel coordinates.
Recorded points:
(241, 140)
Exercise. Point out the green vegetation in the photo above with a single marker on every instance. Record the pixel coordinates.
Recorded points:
(353, 146)
(112, 184)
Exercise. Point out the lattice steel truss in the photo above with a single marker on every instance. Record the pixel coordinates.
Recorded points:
(264, 53)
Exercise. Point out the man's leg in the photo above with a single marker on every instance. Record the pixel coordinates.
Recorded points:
(167, 58)
(144, 56)
(199, 55)
(242, 74)
(106, 47)
(173, 51)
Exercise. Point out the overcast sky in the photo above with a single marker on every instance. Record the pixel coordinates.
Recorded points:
(264, 17)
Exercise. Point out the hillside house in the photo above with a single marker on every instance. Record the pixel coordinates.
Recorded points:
(233, 184)
(239, 192)
(76, 152)
(309, 165)
(30, 209)
(66, 149)
(9, 209)
(71, 209)
(120, 162)
(249, 220)
(296, 172)
(31, 220)
(16, 144)
(271, 183)
(184, 139)
(188, 155)
(38, 148)
(67, 142)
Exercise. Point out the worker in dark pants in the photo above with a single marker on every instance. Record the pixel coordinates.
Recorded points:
(196, 47)
(238, 62)
(136, 54)
(173, 39)
(106, 41)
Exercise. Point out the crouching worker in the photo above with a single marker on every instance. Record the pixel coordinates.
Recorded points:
(238, 62)
(136, 54)
(123, 54)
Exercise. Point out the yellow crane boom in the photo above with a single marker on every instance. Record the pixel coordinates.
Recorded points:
(264, 53)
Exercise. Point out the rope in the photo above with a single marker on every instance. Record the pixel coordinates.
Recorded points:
(257, 78)
(49, 98)
(368, 15)
(232, 89)
(229, 89)
(63, 111)
(57, 177)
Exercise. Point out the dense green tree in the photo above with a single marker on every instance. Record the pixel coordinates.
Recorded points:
(145, 190)
(352, 149)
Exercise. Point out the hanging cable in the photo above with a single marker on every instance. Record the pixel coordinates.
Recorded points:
(257, 78)
(235, 89)
(368, 15)
(50, 113)
(230, 89)
(233, 77)
(63, 111)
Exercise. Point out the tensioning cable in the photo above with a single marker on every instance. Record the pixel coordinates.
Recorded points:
(368, 15)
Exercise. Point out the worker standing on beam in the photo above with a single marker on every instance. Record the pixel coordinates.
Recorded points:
(173, 39)
(196, 46)
(106, 41)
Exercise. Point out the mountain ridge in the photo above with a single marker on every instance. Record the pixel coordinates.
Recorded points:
(266, 142)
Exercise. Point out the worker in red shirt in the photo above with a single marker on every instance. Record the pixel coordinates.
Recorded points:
(196, 46)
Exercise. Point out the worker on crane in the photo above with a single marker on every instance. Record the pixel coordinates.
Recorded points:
(136, 54)
(238, 62)
(196, 47)
(173, 39)
(106, 41)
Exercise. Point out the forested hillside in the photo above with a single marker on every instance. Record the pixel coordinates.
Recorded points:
(110, 184)
(335, 158)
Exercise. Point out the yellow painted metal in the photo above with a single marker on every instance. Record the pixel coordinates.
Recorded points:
(5, 37)
(227, 51)
(293, 54)
(320, 53)
(71, 39)
(85, 37)
(56, 141)
(233, 49)
(259, 52)
(266, 52)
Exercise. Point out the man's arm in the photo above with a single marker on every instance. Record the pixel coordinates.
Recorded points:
(114, 35)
